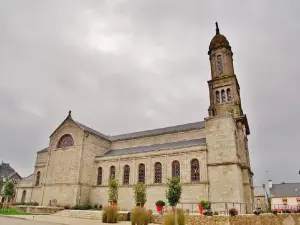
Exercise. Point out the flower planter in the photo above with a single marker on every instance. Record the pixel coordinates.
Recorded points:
(159, 208)
(114, 203)
(200, 209)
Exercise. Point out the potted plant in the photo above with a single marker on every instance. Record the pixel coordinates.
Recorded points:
(159, 205)
(233, 212)
(203, 205)
(256, 212)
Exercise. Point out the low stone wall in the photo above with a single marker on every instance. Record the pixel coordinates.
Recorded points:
(38, 209)
(263, 219)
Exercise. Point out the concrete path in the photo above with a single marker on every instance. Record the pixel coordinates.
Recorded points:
(46, 220)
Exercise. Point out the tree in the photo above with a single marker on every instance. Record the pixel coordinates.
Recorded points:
(1, 184)
(174, 190)
(113, 187)
(9, 189)
(140, 194)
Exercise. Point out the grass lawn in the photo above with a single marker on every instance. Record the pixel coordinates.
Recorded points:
(11, 212)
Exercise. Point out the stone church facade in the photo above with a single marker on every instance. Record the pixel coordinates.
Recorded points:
(211, 157)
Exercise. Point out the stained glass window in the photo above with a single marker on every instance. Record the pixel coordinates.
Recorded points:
(220, 65)
(141, 174)
(37, 180)
(99, 179)
(223, 96)
(217, 97)
(65, 141)
(126, 174)
(195, 170)
(157, 173)
(228, 94)
(175, 169)
(112, 172)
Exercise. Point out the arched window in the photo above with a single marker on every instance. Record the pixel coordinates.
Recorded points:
(126, 174)
(141, 174)
(65, 141)
(195, 170)
(219, 64)
(175, 169)
(37, 179)
(99, 178)
(223, 96)
(157, 173)
(112, 174)
(217, 97)
(228, 94)
(23, 197)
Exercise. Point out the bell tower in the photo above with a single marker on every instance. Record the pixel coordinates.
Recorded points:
(224, 88)
(228, 162)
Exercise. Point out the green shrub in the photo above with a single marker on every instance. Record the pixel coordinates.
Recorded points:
(205, 204)
(169, 218)
(95, 206)
(174, 189)
(100, 207)
(160, 203)
(140, 216)
(110, 214)
(32, 203)
(113, 187)
(140, 194)
(216, 213)
(67, 207)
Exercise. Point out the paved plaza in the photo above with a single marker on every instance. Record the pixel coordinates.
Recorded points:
(48, 220)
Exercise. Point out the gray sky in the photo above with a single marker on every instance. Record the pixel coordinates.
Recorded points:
(124, 66)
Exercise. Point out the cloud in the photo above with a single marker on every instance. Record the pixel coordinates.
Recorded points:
(122, 66)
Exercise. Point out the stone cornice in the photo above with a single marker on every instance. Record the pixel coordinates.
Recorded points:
(154, 185)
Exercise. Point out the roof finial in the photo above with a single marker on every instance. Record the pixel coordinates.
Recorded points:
(70, 112)
(217, 28)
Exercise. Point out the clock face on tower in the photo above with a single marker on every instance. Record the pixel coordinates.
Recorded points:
(219, 64)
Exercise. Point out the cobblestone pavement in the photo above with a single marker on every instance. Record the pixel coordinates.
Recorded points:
(50, 220)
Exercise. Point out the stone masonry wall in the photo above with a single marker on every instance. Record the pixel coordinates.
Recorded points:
(159, 139)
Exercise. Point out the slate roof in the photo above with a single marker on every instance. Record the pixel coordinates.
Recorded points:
(28, 178)
(285, 190)
(43, 150)
(90, 130)
(140, 149)
(146, 133)
(172, 129)
(5, 170)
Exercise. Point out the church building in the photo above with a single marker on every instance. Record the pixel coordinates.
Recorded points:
(210, 157)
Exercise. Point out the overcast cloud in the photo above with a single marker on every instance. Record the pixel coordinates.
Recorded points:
(124, 66)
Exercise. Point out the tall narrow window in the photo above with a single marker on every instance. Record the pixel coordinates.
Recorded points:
(65, 141)
(223, 96)
(126, 174)
(219, 64)
(99, 178)
(23, 199)
(157, 173)
(112, 172)
(175, 169)
(228, 94)
(37, 180)
(195, 170)
(141, 173)
(217, 97)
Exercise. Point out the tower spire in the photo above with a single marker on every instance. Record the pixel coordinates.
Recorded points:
(217, 28)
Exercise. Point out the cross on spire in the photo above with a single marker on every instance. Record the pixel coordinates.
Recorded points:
(217, 28)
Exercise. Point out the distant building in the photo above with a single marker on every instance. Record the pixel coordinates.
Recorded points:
(285, 196)
(261, 197)
(7, 173)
